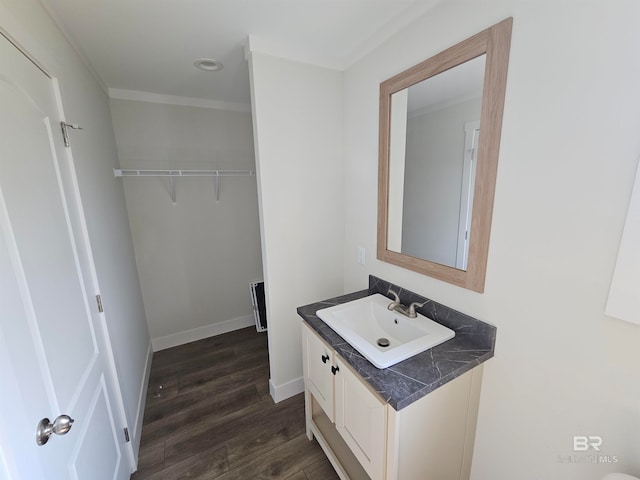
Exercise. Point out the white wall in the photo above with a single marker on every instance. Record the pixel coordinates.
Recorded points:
(569, 150)
(197, 257)
(94, 154)
(297, 112)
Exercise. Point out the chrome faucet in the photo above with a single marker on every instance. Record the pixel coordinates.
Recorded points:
(396, 306)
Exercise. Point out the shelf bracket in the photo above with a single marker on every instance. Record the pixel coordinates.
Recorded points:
(172, 190)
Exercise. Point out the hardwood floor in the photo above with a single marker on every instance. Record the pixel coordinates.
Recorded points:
(214, 417)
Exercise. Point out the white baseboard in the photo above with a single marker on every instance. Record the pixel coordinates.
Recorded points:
(137, 427)
(286, 390)
(199, 333)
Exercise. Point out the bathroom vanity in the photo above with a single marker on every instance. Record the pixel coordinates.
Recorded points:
(413, 420)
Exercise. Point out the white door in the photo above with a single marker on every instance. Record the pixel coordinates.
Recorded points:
(471, 135)
(52, 347)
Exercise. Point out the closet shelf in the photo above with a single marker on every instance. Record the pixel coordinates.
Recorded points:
(184, 173)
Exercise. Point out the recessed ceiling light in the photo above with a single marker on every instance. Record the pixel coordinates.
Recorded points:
(208, 64)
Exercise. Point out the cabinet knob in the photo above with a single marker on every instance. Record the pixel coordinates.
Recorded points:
(334, 369)
(325, 358)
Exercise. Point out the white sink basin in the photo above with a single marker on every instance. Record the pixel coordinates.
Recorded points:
(365, 321)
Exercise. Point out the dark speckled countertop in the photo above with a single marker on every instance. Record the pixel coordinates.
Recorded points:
(407, 381)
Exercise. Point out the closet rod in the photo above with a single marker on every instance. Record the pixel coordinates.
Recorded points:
(182, 173)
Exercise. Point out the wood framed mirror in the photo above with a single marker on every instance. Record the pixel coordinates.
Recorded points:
(440, 126)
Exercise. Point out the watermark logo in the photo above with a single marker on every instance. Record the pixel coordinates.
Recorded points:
(588, 449)
(582, 443)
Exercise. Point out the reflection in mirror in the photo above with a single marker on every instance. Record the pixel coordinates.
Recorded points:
(440, 126)
(433, 141)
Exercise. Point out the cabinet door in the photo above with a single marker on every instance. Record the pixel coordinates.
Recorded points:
(361, 420)
(318, 359)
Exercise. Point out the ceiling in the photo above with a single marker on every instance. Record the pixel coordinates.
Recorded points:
(450, 87)
(150, 45)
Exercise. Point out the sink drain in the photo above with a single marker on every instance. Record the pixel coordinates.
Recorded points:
(383, 342)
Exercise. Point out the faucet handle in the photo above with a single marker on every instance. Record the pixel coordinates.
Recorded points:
(413, 306)
(396, 300)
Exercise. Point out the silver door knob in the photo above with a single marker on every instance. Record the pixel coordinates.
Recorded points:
(60, 426)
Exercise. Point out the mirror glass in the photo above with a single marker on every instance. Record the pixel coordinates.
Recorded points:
(440, 126)
(434, 131)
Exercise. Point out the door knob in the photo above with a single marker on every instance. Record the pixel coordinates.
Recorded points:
(60, 426)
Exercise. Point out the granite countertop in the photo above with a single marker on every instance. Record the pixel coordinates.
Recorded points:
(407, 381)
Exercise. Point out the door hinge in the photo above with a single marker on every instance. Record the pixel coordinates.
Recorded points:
(99, 302)
(126, 434)
(65, 133)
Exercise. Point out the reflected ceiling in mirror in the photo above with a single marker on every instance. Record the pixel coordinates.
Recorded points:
(433, 142)
(437, 167)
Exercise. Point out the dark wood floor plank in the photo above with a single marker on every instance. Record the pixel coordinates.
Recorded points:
(165, 360)
(222, 429)
(298, 476)
(194, 363)
(274, 430)
(321, 470)
(150, 460)
(263, 388)
(161, 392)
(181, 353)
(208, 464)
(278, 463)
(240, 367)
(184, 413)
(255, 343)
(215, 419)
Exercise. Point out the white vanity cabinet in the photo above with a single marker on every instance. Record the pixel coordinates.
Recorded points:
(365, 438)
(343, 410)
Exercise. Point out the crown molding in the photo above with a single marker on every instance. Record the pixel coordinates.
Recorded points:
(150, 97)
(390, 29)
(291, 51)
(72, 42)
